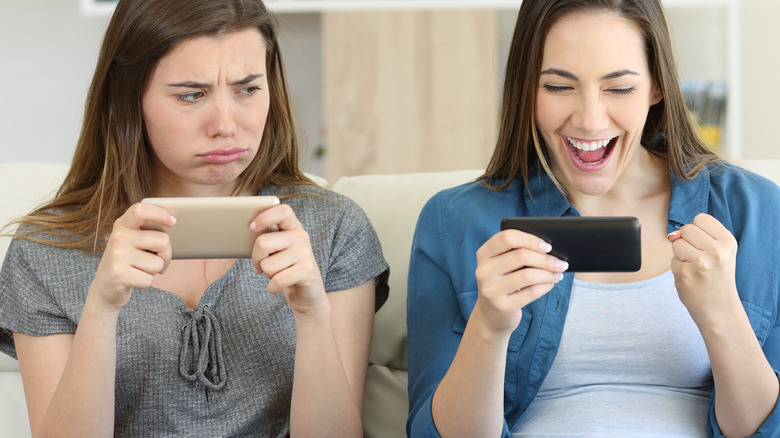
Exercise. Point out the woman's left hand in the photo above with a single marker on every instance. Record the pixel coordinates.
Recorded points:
(283, 253)
(704, 266)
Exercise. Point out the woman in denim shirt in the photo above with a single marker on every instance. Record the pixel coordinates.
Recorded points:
(504, 341)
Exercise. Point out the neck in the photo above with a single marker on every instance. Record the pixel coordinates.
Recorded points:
(648, 180)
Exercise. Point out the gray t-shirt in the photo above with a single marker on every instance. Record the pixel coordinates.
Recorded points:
(222, 369)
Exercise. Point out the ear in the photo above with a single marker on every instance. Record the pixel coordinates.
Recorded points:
(657, 96)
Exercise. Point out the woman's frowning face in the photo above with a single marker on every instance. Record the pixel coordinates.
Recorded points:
(205, 109)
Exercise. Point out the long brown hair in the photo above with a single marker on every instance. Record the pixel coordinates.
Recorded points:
(669, 131)
(111, 167)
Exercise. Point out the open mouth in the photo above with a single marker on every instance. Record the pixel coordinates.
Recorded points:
(591, 152)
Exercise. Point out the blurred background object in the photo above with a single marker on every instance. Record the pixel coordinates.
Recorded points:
(385, 86)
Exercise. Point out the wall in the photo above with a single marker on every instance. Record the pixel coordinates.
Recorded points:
(48, 51)
(761, 62)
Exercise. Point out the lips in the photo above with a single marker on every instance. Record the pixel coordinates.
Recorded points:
(590, 152)
(223, 156)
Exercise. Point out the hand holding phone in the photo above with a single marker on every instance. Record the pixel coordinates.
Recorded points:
(212, 228)
(588, 244)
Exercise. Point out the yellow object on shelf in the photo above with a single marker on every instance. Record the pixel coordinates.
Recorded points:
(711, 135)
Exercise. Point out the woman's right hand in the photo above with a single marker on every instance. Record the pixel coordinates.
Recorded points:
(513, 270)
(134, 254)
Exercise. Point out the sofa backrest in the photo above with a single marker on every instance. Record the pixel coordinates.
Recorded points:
(22, 187)
(392, 203)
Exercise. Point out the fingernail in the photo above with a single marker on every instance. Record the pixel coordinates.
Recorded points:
(546, 247)
(562, 265)
(253, 226)
(558, 276)
(673, 233)
(173, 220)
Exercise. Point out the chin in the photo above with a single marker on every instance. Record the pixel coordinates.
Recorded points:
(220, 176)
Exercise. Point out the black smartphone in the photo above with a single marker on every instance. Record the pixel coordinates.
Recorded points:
(588, 244)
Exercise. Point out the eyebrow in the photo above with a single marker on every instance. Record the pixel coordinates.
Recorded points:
(608, 76)
(194, 84)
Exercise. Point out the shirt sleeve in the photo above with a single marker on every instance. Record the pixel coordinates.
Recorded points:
(434, 319)
(431, 309)
(762, 281)
(344, 241)
(771, 348)
(26, 302)
(355, 244)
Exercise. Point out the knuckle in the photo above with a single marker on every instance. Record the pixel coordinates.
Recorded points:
(487, 291)
(286, 209)
(702, 264)
(722, 256)
(165, 239)
(481, 272)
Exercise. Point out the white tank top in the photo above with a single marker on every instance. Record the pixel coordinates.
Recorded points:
(631, 363)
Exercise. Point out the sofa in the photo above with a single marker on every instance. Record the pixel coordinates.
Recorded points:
(392, 202)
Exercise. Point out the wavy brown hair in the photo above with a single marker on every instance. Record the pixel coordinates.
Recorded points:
(111, 167)
(669, 131)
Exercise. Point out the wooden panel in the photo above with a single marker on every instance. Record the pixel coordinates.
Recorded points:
(409, 91)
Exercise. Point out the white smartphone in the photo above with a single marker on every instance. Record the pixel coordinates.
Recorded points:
(212, 228)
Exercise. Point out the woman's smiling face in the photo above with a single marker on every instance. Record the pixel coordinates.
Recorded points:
(595, 90)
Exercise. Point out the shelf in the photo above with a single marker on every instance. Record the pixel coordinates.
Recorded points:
(106, 7)
(293, 6)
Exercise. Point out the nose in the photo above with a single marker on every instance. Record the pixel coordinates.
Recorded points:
(591, 115)
(222, 123)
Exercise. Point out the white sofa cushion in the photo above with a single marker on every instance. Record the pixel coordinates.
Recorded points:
(22, 187)
(392, 203)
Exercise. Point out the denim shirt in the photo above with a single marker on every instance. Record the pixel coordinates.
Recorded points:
(442, 288)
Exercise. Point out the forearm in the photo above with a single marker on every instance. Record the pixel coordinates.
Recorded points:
(83, 402)
(323, 403)
(746, 387)
(470, 398)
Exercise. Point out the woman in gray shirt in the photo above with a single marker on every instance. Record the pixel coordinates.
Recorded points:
(114, 337)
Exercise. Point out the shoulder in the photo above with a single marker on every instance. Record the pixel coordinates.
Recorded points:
(737, 189)
(316, 205)
(469, 200)
(35, 261)
(31, 249)
(730, 178)
(332, 220)
(473, 206)
(458, 220)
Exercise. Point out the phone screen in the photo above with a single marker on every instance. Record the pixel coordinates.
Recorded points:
(588, 244)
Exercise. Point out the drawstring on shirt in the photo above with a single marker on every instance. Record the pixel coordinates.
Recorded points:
(200, 359)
